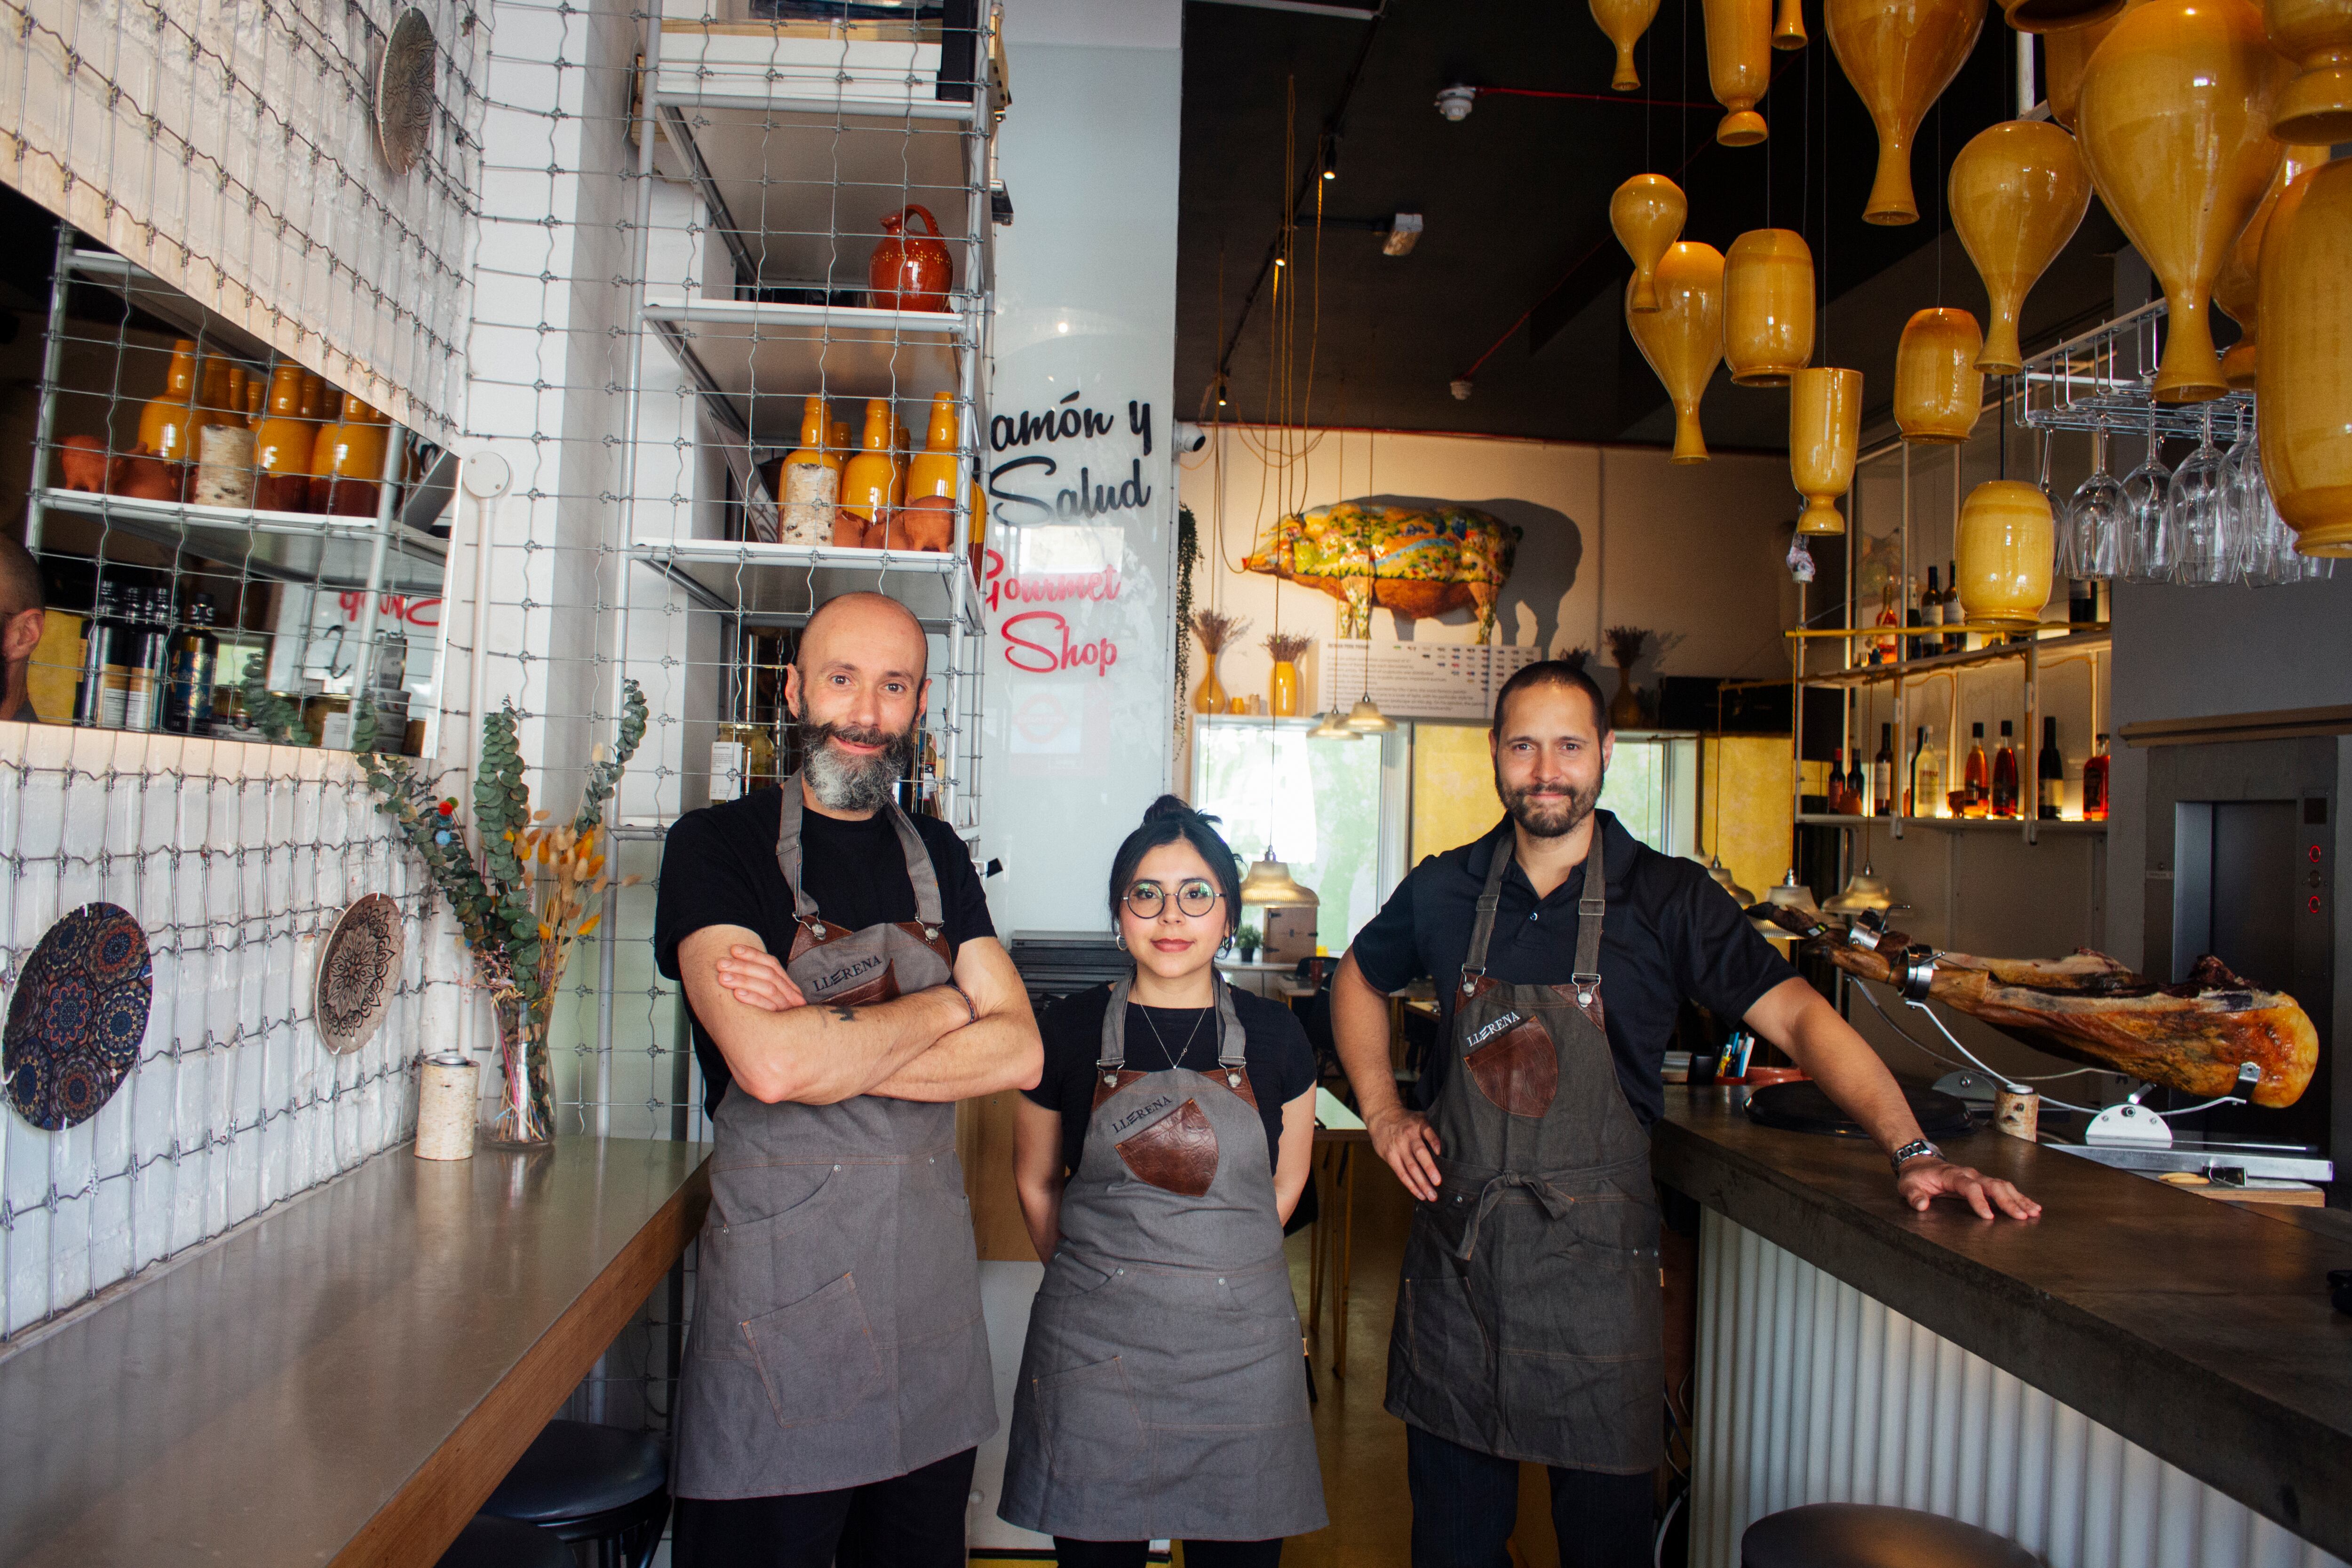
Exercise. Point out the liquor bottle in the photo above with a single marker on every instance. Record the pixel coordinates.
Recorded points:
(2095, 785)
(1882, 774)
(1884, 648)
(1928, 776)
(103, 670)
(1837, 780)
(2049, 774)
(1931, 616)
(194, 660)
(1857, 786)
(1954, 613)
(1977, 778)
(2082, 601)
(809, 486)
(2004, 774)
(870, 477)
(150, 657)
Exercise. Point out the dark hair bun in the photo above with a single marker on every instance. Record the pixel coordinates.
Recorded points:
(1171, 808)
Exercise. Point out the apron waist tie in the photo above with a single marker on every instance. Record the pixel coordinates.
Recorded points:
(1554, 1203)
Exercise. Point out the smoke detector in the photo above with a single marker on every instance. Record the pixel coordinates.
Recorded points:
(1460, 387)
(1455, 102)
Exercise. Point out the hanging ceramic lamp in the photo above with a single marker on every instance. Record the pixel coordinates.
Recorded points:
(2018, 192)
(1331, 727)
(1625, 22)
(1824, 425)
(2065, 52)
(1900, 55)
(1767, 307)
(1366, 718)
(1863, 890)
(1739, 65)
(2175, 123)
(1270, 882)
(1682, 338)
(1646, 214)
(1788, 30)
(2316, 35)
(2057, 16)
(2007, 537)
(1721, 875)
(1939, 390)
(2235, 287)
(2302, 379)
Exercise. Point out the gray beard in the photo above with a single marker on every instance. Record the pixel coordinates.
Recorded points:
(1552, 822)
(843, 782)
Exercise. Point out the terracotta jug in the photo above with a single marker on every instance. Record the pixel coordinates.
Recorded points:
(932, 471)
(910, 271)
(1739, 65)
(2057, 16)
(1900, 55)
(1789, 30)
(867, 478)
(2303, 380)
(2005, 537)
(1767, 307)
(1824, 426)
(282, 444)
(1625, 22)
(163, 422)
(1939, 390)
(1647, 214)
(2065, 52)
(1682, 338)
(2018, 192)
(2175, 120)
(2235, 286)
(2316, 35)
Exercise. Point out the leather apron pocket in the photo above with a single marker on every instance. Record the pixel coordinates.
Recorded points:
(1094, 1430)
(1177, 1153)
(1518, 1069)
(817, 1357)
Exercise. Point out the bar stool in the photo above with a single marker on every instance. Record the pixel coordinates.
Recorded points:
(490, 1542)
(1863, 1535)
(598, 1487)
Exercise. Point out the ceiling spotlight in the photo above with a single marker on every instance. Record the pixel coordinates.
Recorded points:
(1403, 234)
(1460, 387)
(1330, 157)
(1455, 102)
(1278, 262)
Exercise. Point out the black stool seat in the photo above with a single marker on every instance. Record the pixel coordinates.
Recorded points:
(488, 1542)
(576, 1470)
(1862, 1535)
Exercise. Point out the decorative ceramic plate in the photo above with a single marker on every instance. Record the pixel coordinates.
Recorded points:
(403, 91)
(358, 968)
(77, 1015)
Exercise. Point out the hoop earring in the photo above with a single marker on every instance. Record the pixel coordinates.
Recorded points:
(1119, 939)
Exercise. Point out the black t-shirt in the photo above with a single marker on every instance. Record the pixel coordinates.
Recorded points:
(1275, 1053)
(718, 867)
(1670, 932)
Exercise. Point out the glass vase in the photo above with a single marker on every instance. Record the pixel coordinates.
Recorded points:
(526, 1117)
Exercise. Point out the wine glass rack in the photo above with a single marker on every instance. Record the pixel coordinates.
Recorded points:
(2105, 379)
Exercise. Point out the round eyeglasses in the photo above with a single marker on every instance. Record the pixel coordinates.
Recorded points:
(1195, 896)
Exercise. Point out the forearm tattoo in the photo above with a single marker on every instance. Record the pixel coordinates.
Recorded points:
(845, 1013)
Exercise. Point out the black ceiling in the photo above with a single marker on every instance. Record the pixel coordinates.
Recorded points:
(1515, 200)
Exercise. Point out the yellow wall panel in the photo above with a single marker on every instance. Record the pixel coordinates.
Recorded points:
(1453, 787)
(1744, 806)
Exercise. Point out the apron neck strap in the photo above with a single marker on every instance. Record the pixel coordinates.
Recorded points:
(1231, 1042)
(928, 908)
(1589, 909)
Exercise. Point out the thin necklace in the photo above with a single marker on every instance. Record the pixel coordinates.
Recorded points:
(1197, 1019)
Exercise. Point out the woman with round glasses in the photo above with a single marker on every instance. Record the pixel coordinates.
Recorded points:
(1162, 1393)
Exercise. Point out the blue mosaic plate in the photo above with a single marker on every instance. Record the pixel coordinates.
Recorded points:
(77, 1017)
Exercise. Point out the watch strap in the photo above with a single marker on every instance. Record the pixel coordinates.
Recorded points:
(1910, 1151)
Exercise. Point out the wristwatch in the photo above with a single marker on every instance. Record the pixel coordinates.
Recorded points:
(1910, 1151)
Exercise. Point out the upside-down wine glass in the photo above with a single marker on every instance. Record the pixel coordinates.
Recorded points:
(2149, 554)
(2096, 517)
(2192, 513)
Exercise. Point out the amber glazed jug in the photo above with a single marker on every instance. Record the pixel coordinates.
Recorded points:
(1788, 30)
(1625, 22)
(2065, 52)
(1939, 390)
(2302, 379)
(1682, 338)
(1767, 307)
(164, 422)
(1900, 55)
(1739, 65)
(2316, 35)
(2057, 16)
(2018, 192)
(1647, 213)
(2175, 125)
(282, 446)
(910, 271)
(2007, 535)
(2235, 287)
(1824, 424)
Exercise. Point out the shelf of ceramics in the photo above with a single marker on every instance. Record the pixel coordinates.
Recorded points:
(2107, 376)
(1953, 824)
(759, 361)
(285, 546)
(2065, 642)
(776, 584)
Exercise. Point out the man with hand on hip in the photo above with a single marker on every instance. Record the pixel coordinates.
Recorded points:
(846, 989)
(1527, 1322)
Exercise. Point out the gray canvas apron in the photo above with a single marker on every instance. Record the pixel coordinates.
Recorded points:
(1161, 1394)
(837, 1336)
(1528, 1319)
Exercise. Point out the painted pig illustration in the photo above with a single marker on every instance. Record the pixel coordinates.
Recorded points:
(1411, 561)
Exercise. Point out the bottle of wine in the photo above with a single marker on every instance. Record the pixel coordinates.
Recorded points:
(2004, 773)
(1857, 786)
(1837, 780)
(2095, 785)
(1882, 774)
(2049, 774)
(1886, 647)
(1954, 613)
(1931, 616)
(1978, 778)
(1928, 776)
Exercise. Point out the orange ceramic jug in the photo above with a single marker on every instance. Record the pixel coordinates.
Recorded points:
(2058, 15)
(1647, 213)
(1739, 65)
(910, 271)
(1682, 338)
(2302, 379)
(282, 446)
(164, 423)
(2018, 192)
(1824, 427)
(2316, 35)
(2175, 124)
(1939, 390)
(355, 456)
(1900, 55)
(2235, 287)
(1767, 307)
(2065, 52)
(932, 471)
(868, 479)
(1789, 32)
(2005, 546)
(1624, 22)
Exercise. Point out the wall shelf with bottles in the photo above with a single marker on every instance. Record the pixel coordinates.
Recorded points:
(764, 358)
(1950, 824)
(2052, 639)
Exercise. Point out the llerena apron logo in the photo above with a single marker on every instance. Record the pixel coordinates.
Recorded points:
(851, 971)
(1496, 1027)
(1143, 1112)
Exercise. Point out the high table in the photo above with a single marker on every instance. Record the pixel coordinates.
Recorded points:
(346, 1379)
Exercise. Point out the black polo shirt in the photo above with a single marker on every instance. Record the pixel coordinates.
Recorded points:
(1670, 932)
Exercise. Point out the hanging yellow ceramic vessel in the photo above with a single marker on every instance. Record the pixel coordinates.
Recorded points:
(2057, 16)
(1682, 338)
(1625, 22)
(1767, 307)
(2175, 123)
(1939, 390)
(2316, 35)
(1739, 65)
(1789, 31)
(2236, 289)
(1900, 55)
(1647, 214)
(2018, 192)
(2006, 542)
(2302, 379)
(2065, 52)
(1824, 425)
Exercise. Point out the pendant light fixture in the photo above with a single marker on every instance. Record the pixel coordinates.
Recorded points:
(1723, 879)
(1270, 882)
(1331, 727)
(1366, 718)
(1863, 891)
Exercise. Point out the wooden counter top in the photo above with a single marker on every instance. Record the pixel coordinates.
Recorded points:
(2201, 1331)
(345, 1381)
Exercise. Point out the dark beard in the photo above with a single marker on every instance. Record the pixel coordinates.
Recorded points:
(843, 782)
(1551, 816)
